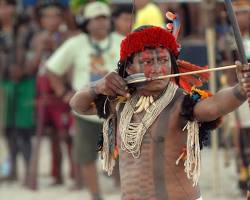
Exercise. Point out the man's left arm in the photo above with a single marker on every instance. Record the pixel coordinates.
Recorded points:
(225, 101)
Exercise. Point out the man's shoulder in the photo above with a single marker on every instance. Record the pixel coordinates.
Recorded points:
(180, 93)
(176, 104)
(179, 97)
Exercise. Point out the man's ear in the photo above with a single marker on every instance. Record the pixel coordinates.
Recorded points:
(129, 71)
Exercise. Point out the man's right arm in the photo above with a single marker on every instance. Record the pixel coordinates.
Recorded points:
(83, 101)
(111, 85)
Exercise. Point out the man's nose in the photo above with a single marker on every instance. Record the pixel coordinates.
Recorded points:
(156, 67)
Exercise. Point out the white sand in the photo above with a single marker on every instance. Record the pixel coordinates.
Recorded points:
(227, 190)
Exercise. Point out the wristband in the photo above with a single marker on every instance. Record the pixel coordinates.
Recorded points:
(92, 90)
(238, 93)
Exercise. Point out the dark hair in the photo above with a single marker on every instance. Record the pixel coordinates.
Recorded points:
(9, 2)
(174, 68)
(124, 8)
(82, 25)
(42, 5)
(47, 3)
(80, 20)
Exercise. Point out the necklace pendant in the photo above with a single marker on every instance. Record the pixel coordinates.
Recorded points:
(143, 104)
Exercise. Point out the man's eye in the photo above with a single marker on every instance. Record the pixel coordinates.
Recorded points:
(163, 61)
(147, 62)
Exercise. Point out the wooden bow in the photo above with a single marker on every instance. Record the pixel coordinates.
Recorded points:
(242, 54)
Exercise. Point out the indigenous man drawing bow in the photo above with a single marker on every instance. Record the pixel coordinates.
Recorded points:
(157, 127)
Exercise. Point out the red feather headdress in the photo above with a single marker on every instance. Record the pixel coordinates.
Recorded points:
(149, 37)
(158, 37)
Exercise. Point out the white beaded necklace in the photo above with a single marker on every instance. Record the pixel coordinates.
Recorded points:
(132, 132)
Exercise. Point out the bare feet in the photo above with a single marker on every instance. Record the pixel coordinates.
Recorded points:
(8, 179)
(57, 182)
(96, 197)
(76, 187)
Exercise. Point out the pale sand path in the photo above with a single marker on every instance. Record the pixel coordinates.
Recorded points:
(228, 189)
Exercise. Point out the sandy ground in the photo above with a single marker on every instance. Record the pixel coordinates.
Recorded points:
(226, 187)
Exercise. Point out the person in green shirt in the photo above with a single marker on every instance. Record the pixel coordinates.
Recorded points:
(17, 85)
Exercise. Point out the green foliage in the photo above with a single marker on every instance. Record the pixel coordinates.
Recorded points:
(75, 5)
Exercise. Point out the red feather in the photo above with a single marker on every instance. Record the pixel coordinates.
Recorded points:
(192, 81)
(185, 85)
(186, 82)
(185, 66)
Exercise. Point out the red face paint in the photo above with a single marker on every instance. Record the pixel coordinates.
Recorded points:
(148, 71)
(152, 62)
(146, 63)
(163, 70)
(163, 60)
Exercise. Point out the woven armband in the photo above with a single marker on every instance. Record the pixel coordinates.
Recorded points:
(189, 101)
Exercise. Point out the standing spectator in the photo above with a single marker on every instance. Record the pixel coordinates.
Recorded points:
(56, 112)
(123, 19)
(225, 46)
(18, 86)
(242, 10)
(243, 156)
(148, 13)
(228, 51)
(91, 55)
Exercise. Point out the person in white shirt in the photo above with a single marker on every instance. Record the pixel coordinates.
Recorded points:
(90, 56)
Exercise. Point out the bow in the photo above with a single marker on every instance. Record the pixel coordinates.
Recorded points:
(242, 54)
(238, 38)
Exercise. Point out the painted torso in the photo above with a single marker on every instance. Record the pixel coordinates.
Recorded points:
(154, 175)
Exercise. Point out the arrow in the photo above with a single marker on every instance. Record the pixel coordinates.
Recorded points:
(137, 78)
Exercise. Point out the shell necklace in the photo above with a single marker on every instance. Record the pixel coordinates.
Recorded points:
(132, 132)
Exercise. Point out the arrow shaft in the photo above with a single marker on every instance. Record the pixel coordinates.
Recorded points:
(142, 79)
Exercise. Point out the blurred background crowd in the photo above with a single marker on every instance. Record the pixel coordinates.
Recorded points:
(49, 49)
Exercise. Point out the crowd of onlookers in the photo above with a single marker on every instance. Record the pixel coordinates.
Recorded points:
(50, 49)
